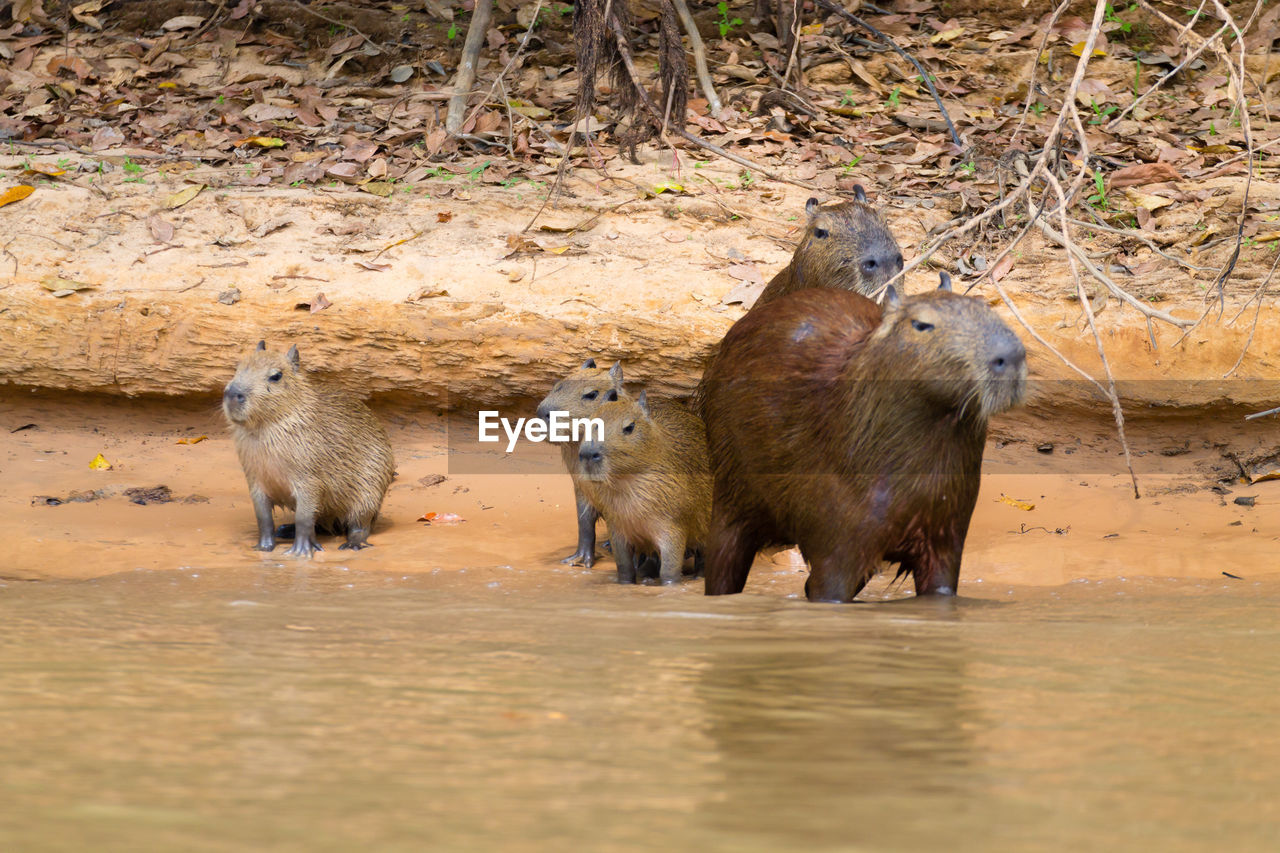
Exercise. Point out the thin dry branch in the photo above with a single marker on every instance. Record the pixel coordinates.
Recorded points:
(699, 56)
(466, 78)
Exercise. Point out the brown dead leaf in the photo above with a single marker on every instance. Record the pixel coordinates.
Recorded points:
(271, 226)
(426, 292)
(106, 137)
(182, 22)
(443, 216)
(17, 193)
(183, 196)
(1143, 173)
(746, 272)
(161, 231)
(320, 303)
(383, 189)
(1002, 269)
(373, 266)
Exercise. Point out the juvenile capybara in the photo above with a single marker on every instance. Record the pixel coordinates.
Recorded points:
(650, 478)
(306, 447)
(855, 435)
(846, 246)
(580, 394)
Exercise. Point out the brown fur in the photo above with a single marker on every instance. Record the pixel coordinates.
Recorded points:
(650, 477)
(846, 246)
(856, 436)
(580, 394)
(308, 448)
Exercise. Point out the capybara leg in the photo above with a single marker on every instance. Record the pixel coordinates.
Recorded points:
(672, 551)
(262, 512)
(587, 516)
(357, 537)
(730, 551)
(304, 523)
(834, 577)
(623, 558)
(935, 574)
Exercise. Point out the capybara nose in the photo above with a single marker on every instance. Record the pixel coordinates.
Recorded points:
(1008, 358)
(592, 454)
(544, 412)
(233, 395)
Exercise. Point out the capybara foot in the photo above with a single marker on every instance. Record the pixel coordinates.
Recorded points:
(304, 547)
(266, 543)
(581, 557)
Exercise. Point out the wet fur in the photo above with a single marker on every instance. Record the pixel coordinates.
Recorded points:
(850, 433)
(299, 441)
(652, 486)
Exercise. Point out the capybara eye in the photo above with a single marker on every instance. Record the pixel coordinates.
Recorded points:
(274, 376)
(591, 395)
(629, 428)
(820, 233)
(921, 326)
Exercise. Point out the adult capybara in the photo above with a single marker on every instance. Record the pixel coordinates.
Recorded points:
(580, 394)
(650, 478)
(854, 435)
(306, 447)
(846, 246)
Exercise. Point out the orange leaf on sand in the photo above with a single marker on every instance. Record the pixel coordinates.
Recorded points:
(196, 440)
(441, 518)
(100, 463)
(17, 193)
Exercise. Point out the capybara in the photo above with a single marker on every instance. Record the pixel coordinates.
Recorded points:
(306, 447)
(846, 246)
(855, 435)
(649, 475)
(580, 394)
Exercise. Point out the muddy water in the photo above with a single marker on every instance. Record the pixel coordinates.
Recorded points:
(523, 709)
(1099, 685)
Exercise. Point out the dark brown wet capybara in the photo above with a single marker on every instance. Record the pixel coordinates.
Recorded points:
(649, 475)
(846, 246)
(855, 435)
(306, 447)
(580, 394)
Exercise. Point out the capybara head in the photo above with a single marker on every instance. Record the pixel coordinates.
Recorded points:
(954, 349)
(267, 387)
(627, 441)
(582, 391)
(847, 246)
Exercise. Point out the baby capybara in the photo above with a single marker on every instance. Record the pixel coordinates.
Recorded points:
(650, 478)
(580, 394)
(306, 447)
(856, 436)
(846, 246)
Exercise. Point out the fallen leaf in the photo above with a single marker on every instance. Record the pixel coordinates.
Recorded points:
(58, 284)
(43, 169)
(383, 189)
(83, 13)
(182, 22)
(746, 272)
(668, 187)
(183, 196)
(1016, 504)
(1143, 173)
(100, 463)
(744, 294)
(1146, 200)
(441, 518)
(373, 265)
(105, 137)
(196, 440)
(262, 142)
(17, 193)
(1002, 269)
(426, 293)
(160, 230)
(443, 216)
(401, 73)
(271, 226)
(320, 303)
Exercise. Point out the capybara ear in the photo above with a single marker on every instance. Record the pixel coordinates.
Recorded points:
(811, 206)
(859, 193)
(589, 364)
(262, 345)
(944, 281)
(292, 355)
(891, 297)
(615, 373)
(643, 400)
(611, 395)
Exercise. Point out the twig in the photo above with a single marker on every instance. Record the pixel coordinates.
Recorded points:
(325, 17)
(1031, 83)
(1135, 235)
(1256, 415)
(1259, 294)
(924, 75)
(524, 41)
(699, 56)
(466, 78)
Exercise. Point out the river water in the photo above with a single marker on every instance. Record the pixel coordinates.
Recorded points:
(508, 709)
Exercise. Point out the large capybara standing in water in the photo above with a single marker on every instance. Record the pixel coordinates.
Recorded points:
(854, 435)
(846, 246)
(648, 473)
(308, 448)
(579, 395)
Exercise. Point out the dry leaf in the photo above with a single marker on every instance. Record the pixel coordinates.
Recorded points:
(100, 463)
(17, 193)
(443, 216)
(441, 518)
(426, 293)
(182, 22)
(373, 265)
(1143, 173)
(196, 440)
(262, 142)
(183, 196)
(60, 285)
(379, 188)
(746, 272)
(161, 231)
(1002, 269)
(271, 226)
(1016, 504)
(1146, 200)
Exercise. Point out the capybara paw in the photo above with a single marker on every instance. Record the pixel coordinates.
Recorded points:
(265, 545)
(304, 549)
(354, 546)
(580, 558)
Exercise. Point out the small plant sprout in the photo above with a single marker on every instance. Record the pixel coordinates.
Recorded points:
(724, 22)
